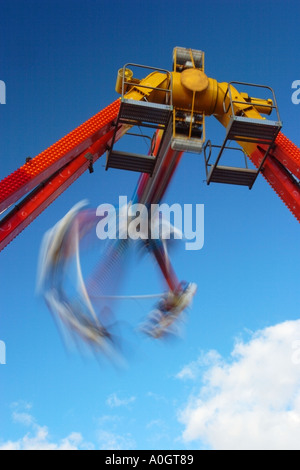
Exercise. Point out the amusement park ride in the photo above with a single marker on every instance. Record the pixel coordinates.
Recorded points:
(173, 105)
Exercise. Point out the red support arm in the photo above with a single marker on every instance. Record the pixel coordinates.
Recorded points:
(283, 162)
(39, 199)
(44, 165)
(50, 173)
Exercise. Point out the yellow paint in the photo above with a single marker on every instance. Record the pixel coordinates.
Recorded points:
(194, 92)
(128, 77)
(194, 80)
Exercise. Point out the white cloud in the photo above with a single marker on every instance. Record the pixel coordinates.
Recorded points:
(159, 432)
(251, 401)
(113, 441)
(192, 370)
(38, 437)
(40, 440)
(23, 418)
(156, 423)
(21, 405)
(109, 436)
(157, 397)
(114, 401)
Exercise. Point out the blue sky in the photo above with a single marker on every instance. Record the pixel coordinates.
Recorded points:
(59, 60)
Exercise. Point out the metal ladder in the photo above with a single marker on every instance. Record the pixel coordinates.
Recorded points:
(188, 124)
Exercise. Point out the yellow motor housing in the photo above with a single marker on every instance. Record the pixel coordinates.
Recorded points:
(194, 81)
(127, 75)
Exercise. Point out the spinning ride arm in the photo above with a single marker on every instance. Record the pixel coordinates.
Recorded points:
(189, 93)
(176, 105)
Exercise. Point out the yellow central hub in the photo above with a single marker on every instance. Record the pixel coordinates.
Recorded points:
(194, 80)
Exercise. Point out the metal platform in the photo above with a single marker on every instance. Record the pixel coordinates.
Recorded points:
(240, 129)
(187, 144)
(259, 131)
(144, 114)
(240, 176)
(231, 175)
(140, 113)
(131, 162)
(187, 58)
